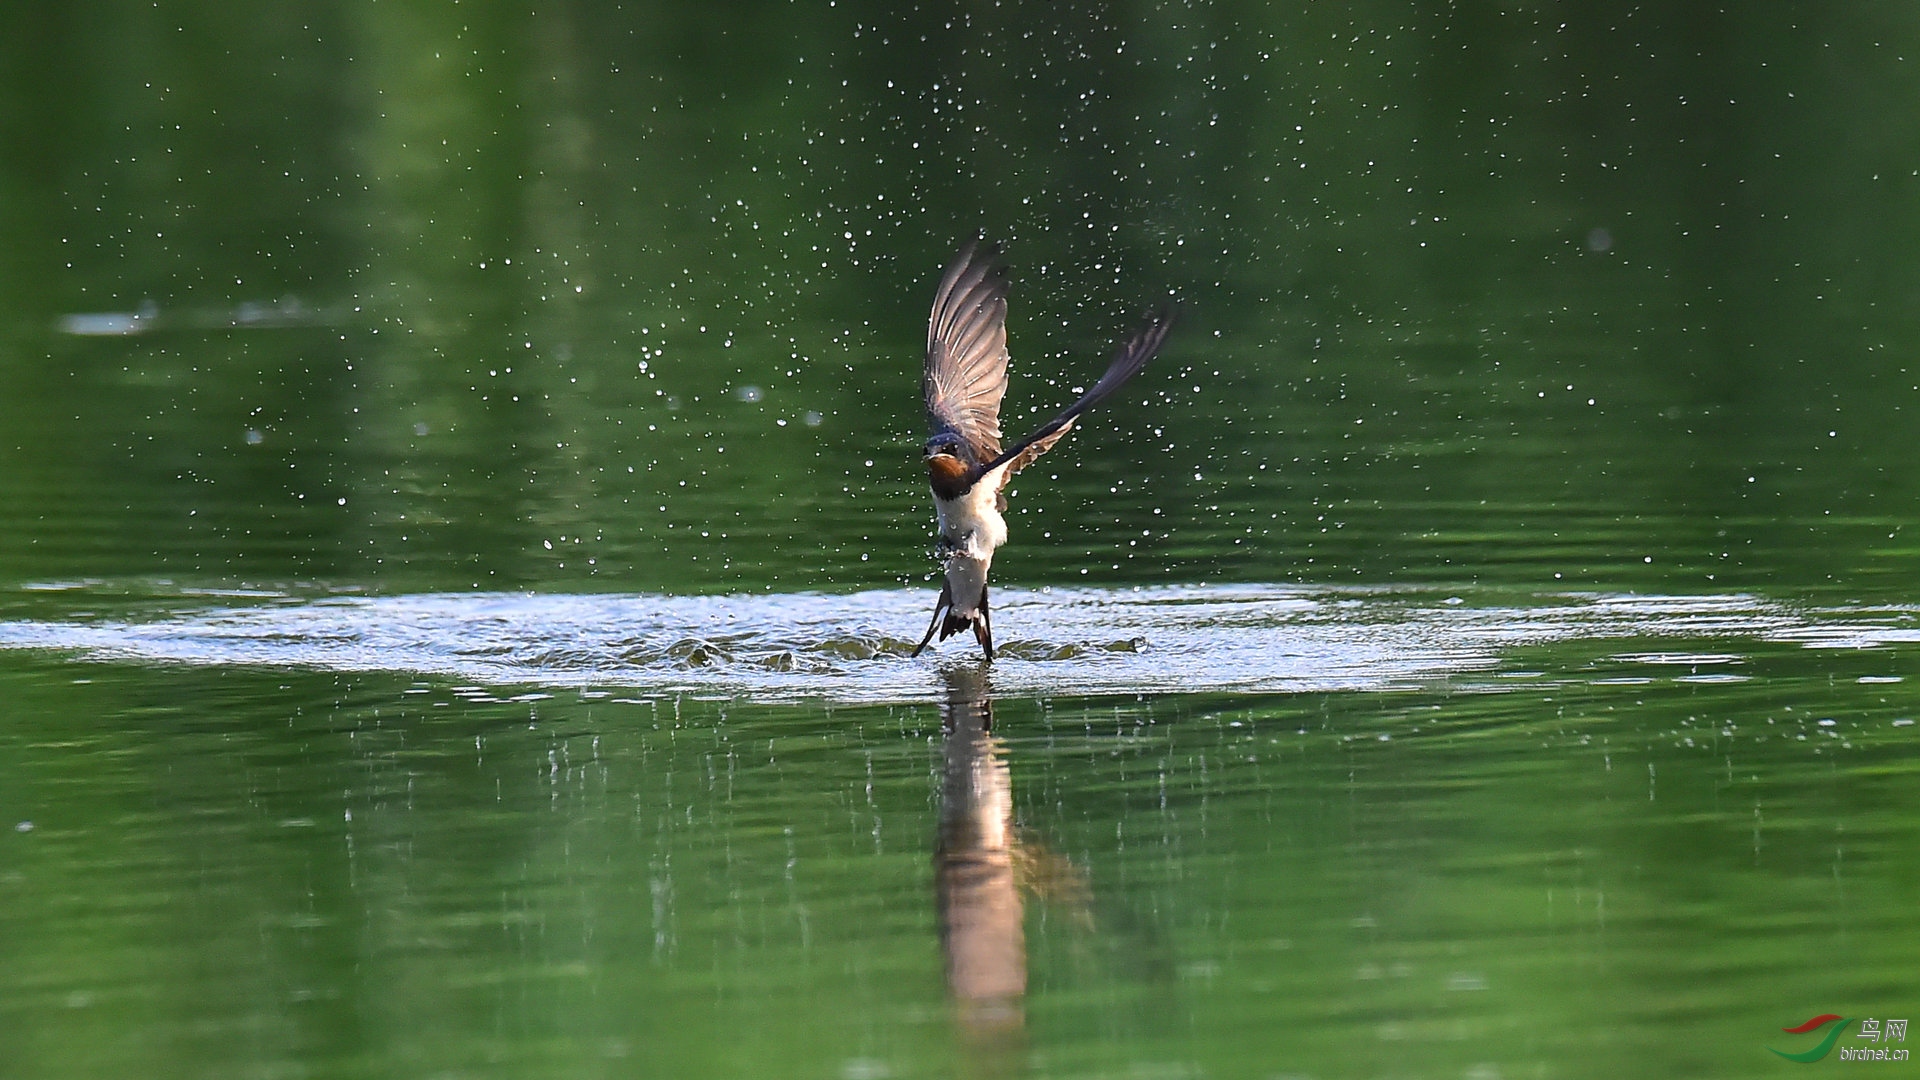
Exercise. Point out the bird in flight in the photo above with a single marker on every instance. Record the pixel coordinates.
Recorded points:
(965, 378)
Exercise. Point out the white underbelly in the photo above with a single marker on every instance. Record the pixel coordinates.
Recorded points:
(971, 524)
(970, 529)
(966, 584)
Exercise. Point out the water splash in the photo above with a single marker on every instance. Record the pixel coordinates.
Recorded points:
(853, 648)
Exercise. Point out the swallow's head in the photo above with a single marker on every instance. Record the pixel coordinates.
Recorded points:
(947, 468)
(946, 444)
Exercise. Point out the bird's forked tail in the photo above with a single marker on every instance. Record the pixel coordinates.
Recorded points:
(953, 623)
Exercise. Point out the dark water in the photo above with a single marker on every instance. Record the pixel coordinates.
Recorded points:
(461, 542)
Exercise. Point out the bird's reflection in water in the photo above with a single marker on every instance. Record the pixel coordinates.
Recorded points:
(981, 866)
(982, 917)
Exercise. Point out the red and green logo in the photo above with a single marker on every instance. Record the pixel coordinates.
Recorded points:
(1825, 1046)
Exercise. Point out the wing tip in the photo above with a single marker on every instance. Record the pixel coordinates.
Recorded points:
(976, 253)
(1161, 317)
(1146, 341)
(975, 277)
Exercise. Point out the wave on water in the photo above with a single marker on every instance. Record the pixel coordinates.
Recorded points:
(855, 647)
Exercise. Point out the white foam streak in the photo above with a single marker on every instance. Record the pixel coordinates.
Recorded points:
(852, 648)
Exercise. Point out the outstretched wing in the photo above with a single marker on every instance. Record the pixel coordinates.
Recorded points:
(966, 374)
(1127, 362)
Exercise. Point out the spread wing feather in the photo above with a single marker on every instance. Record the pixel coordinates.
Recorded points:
(1127, 362)
(966, 373)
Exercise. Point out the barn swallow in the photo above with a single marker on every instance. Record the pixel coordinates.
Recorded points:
(964, 380)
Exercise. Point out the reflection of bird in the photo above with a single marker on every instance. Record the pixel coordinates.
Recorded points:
(965, 378)
(983, 860)
(976, 884)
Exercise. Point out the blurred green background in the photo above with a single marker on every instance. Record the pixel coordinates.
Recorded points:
(1490, 293)
(1479, 300)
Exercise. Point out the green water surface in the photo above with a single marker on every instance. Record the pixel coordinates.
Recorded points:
(1490, 308)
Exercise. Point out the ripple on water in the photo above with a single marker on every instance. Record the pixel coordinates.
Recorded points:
(852, 648)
